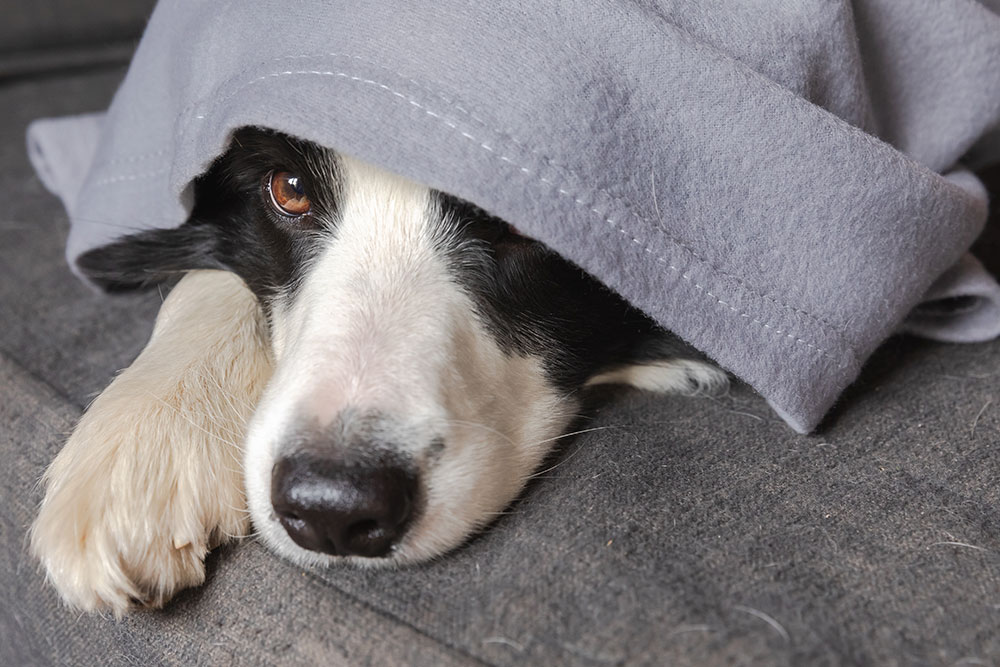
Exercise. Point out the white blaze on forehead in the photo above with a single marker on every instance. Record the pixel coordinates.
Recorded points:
(381, 325)
(373, 317)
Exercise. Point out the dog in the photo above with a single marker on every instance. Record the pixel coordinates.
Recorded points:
(374, 368)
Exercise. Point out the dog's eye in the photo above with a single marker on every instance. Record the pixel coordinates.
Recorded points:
(288, 193)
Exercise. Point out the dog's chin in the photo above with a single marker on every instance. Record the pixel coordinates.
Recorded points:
(465, 488)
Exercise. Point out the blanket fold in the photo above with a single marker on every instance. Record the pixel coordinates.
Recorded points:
(779, 183)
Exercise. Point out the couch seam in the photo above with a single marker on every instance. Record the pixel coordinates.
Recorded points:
(6, 355)
(381, 611)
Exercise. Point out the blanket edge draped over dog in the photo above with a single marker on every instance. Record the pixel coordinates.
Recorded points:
(779, 184)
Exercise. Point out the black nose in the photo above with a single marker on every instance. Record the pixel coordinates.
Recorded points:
(345, 510)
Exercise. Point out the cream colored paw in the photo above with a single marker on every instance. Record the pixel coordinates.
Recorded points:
(151, 478)
(119, 527)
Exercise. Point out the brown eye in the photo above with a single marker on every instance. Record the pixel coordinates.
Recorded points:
(288, 193)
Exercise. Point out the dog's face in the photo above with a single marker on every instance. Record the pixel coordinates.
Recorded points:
(427, 355)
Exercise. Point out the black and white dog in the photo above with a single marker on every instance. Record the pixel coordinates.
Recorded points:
(400, 364)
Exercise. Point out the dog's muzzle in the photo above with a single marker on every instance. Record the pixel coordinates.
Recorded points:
(343, 508)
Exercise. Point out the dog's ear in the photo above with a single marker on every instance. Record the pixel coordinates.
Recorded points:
(152, 257)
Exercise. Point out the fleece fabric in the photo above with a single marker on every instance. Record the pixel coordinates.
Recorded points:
(780, 183)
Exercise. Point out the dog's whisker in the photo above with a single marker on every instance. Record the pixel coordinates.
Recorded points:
(576, 451)
(147, 224)
(252, 536)
(238, 470)
(490, 429)
(238, 510)
(236, 456)
(235, 413)
(190, 421)
(569, 435)
(230, 397)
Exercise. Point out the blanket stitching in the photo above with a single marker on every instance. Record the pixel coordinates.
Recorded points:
(566, 171)
(131, 177)
(525, 170)
(549, 162)
(137, 157)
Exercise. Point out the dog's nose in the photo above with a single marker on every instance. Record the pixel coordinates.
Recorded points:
(345, 510)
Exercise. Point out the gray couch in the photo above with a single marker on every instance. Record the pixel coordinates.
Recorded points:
(683, 532)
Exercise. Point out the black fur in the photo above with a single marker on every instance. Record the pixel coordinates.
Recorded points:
(231, 226)
(532, 300)
(535, 302)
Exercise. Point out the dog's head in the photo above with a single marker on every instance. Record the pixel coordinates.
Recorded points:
(427, 355)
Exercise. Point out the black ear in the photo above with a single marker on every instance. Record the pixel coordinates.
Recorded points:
(152, 257)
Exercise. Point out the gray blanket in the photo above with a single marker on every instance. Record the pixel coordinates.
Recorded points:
(779, 182)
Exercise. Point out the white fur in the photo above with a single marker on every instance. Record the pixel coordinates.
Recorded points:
(680, 376)
(151, 477)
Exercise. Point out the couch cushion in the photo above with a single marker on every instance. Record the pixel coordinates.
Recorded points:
(43, 24)
(55, 35)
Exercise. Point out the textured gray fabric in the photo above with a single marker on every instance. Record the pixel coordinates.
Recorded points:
(718, 164)
(45, 24)
(962, 306)
(659, 539)
(27, 63)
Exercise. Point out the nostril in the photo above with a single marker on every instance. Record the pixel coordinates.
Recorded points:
(357, 510)
(305, 534)
(367, 537)
(288, 516)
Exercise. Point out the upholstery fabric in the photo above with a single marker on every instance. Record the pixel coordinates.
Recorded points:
(58, 24)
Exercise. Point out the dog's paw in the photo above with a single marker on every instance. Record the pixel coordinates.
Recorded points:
(133, 504)
(151, 478)
(672, 376)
